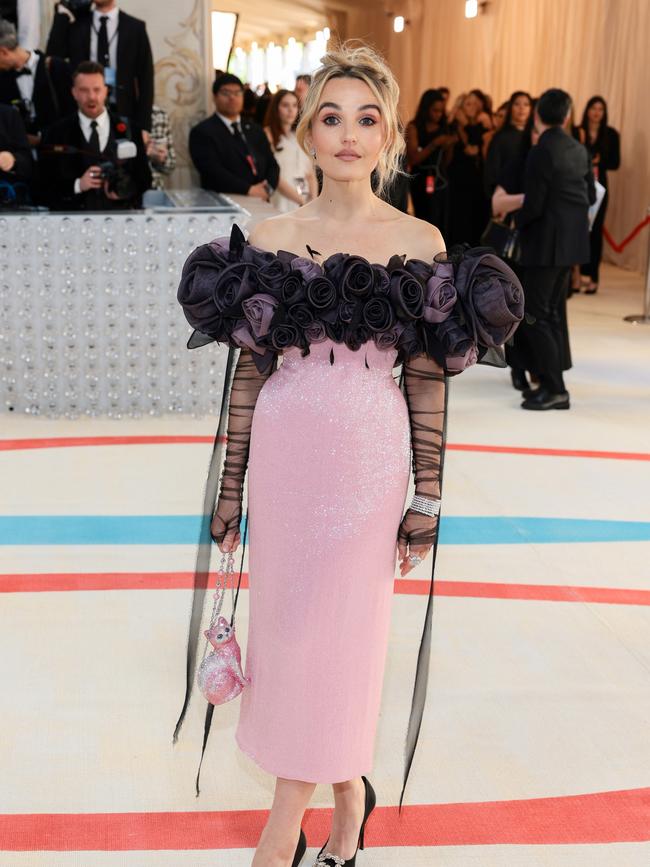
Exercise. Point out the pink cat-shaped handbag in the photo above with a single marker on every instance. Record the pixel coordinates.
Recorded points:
(220, 677)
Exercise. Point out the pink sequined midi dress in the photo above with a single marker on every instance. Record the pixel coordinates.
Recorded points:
(328, 475)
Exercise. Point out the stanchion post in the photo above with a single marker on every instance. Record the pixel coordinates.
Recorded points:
(644, 318)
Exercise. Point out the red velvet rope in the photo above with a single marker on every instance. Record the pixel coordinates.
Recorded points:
(618, 248)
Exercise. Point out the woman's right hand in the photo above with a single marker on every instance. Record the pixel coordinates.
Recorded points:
(225, 525)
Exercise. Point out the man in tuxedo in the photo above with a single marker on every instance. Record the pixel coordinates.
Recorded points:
(554, 233)
(73, 150)
(118, 42)
(38, 86)
(231, 155)
(15, 158)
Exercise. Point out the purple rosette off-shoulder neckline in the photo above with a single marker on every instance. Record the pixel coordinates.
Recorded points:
(457, 309)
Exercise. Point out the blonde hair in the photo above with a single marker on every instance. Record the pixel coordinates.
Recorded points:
(367, 65)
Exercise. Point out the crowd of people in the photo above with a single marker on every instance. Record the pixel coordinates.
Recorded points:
(460, 156)
(79, 128)
(528, 180)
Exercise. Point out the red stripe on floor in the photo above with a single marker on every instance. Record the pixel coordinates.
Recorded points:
(61, 581)
(74, 442)
(604, 817)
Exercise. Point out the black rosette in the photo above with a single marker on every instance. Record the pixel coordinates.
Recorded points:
(407, 294)
(378, 314)
(196, 292)
(352, 274)
(491, 296)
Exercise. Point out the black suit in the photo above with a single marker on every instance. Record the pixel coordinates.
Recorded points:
(554, 232)
(51, 97)
(14, 139)
(58, 171)
(221, 161)
(558, 189)
(134, 91)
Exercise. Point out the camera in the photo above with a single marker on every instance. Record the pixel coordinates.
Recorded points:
(119, 181)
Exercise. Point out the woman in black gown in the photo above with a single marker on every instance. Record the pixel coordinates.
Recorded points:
(469, 208)
(428, 140)
(507, 142)
(603, 143)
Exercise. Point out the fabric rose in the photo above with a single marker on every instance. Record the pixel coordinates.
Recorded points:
(233, 288)
(389, 339)
(301, 315)
(492, 297)
(347, 310)
(381, 280)
(258, 257)
(283, 336)
(220, 247)
(292, 290)
(420, 269)
(242, 336)
(410, 341)
(315, 332)
(271, 277)
(453, 337)
(457, 363)
(378, 314)
(356, 335)
(259, 310)
(195, 290)
(321, 293)
(353, 274)
(307, 268)
(440, 294)
(335, 330)
(407, 294)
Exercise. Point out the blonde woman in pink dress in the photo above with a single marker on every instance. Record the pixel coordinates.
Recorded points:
(343, 289)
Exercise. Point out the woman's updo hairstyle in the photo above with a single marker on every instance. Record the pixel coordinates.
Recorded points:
(362, 62)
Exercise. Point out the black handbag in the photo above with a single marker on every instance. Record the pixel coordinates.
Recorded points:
(503, 237)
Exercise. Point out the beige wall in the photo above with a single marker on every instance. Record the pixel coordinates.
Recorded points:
(178, 30)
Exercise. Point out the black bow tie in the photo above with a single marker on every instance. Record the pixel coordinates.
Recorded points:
(23, 71)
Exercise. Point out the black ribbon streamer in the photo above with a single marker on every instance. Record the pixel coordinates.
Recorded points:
(424, 653)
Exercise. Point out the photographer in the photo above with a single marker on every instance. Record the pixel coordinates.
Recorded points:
(98, 31)
(38, 86)
(79, 165)
(15, 158)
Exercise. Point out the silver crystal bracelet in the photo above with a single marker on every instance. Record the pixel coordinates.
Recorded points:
(425, 505)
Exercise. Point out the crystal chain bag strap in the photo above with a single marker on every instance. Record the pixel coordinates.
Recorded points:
(220, 677)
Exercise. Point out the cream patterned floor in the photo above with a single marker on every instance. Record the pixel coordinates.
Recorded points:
(535, 748)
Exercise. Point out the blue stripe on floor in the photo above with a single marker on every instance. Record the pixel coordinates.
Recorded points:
(184, 530)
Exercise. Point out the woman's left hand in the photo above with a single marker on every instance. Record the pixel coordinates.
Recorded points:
(405, 564)
(415, 537)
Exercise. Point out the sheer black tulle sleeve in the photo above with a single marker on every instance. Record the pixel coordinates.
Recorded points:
(424, 388)
(246, 385)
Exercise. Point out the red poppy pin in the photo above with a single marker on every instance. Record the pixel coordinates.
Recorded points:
(120, 126)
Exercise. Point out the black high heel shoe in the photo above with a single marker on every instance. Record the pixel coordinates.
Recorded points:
(301, 848)
(328, 859)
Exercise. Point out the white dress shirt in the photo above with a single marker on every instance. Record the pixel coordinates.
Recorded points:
(229, 121)
(103, 131)
(112, 31)
(25, 83)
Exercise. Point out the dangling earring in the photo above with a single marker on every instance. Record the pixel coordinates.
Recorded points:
(313, 152)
